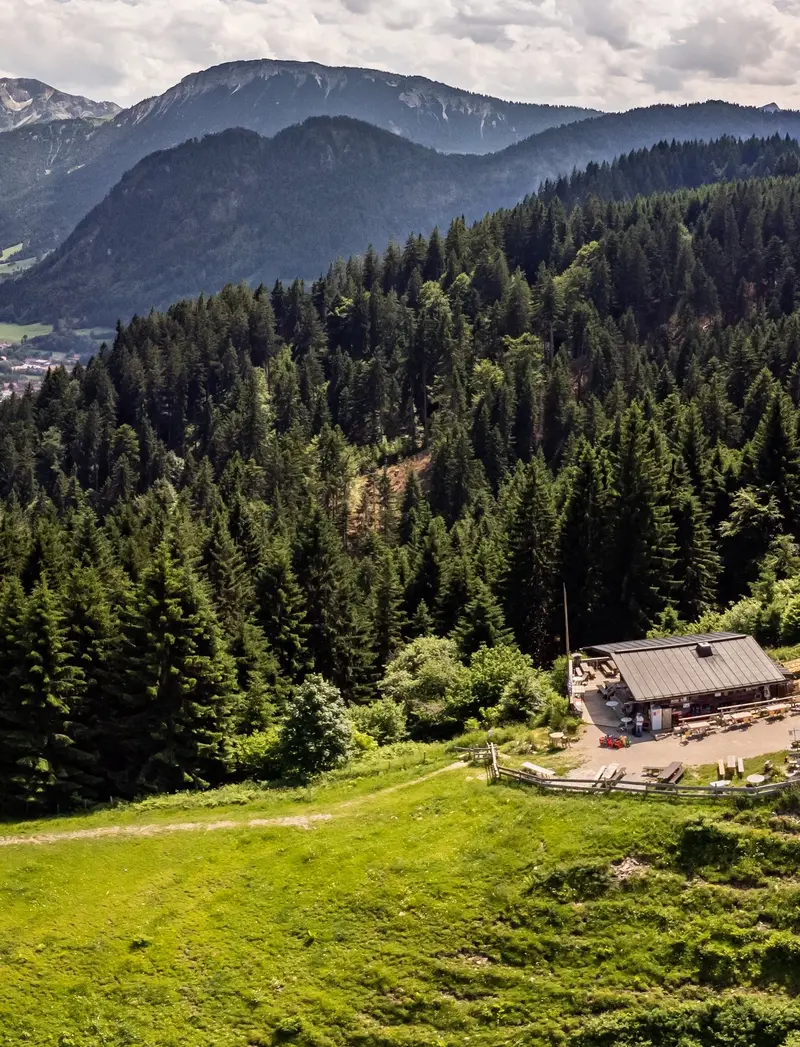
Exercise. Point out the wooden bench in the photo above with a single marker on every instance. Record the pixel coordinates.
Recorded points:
(740, 767)
(721, 768)
(672, 774)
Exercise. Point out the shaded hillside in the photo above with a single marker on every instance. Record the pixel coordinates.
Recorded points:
(50, 190)
(239, 207)
(46, 191)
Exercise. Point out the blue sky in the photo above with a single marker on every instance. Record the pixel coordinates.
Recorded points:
(609, 54)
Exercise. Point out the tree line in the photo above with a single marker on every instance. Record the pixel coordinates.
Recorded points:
(322, 485)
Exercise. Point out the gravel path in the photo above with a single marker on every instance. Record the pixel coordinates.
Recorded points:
(761, 739)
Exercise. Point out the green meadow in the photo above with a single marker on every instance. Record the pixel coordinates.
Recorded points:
(426, 910)
(16, 332)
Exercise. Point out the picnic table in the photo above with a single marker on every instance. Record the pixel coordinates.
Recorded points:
(756, 779)
(671, 774)
(559, 739)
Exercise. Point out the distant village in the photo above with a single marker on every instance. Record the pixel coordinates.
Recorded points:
(17, 374)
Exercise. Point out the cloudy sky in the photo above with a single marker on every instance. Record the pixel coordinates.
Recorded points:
(610, 54)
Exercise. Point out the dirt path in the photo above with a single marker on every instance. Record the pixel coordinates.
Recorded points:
(301, 821)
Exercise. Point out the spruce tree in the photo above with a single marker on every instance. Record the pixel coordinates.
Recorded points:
(177, 684)
(641, 561)
(584, 541)
(697, 566)
(482, 624)
(58, 771)
(281, 613)
(529, 584)
(388, 619)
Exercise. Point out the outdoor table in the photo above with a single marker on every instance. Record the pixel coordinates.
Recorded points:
(612, 704)
(741, 716)
(625, 720)
(558, 737)
(756, 779)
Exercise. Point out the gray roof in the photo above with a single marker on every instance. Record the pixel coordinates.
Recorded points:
(672, 668)
(663, 642)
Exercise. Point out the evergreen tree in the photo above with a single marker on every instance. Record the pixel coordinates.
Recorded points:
(529, 580)
(388, 617)
(177, 681)
(584, 544)
(641, 561)
(482, 624)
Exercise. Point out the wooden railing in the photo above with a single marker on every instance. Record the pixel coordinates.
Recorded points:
(619, 785)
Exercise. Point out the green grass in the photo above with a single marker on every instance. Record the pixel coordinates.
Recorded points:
(447, 912)
(9, 252)
(16, 332)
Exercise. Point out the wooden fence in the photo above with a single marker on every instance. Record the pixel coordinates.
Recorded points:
(652, 789)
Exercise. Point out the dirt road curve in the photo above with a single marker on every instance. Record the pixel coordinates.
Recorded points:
(301, 821)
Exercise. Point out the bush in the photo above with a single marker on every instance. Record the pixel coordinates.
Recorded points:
(425, 678)
(506, 686)
(257, 756)
(317, 734)
(384, 720)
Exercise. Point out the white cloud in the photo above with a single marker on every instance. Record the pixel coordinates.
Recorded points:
(612, 54)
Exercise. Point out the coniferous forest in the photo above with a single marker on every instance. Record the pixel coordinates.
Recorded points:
(259, 510)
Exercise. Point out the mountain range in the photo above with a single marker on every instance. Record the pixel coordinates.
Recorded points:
(26, 102)
(260, 170)
(236, 206)
(53, 174)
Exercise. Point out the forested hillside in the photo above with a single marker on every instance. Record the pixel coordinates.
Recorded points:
(227, 208)
(51, 180)
(209, 512)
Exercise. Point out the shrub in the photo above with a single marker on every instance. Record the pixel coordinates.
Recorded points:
(425, 677)
(317, 734)
(505, 685)
(257, 756)
(384, 720)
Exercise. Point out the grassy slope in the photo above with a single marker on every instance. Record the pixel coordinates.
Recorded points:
(16, 332)
(443, 913)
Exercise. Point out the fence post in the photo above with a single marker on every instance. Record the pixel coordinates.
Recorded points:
(493, 759)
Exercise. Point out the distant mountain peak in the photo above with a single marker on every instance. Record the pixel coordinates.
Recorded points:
(280, 92)
(24, 102)
(771, 107)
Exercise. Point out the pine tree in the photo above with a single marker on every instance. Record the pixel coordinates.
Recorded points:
(583, 547)
(57, 771)
(482, 624)
(774, 462)
(177, 684)
(92, 633)
(228, 578)
(337, 623)
(14, 773)
(281, 612)
(388, 617)
(529, 578)
(641, 548)
(697, 566)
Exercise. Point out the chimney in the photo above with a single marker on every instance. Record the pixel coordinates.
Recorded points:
(704, 650)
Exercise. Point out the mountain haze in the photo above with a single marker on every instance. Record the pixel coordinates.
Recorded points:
(236, 207)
